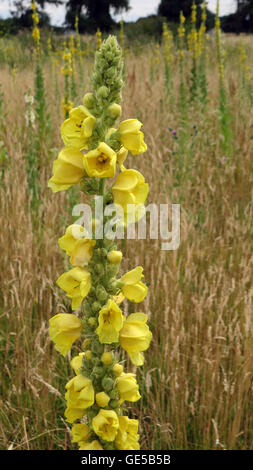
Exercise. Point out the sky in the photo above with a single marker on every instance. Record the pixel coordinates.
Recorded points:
(139, 8)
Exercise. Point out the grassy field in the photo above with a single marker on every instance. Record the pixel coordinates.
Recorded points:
(196, 384)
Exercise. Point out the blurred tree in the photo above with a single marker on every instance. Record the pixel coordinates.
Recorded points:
(240, 21)
(21, 6)
(22, 13)
(93, 14)
(170, 9)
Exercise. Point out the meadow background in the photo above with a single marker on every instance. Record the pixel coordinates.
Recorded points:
(196, 383)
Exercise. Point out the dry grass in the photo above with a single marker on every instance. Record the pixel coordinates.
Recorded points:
(197, 381)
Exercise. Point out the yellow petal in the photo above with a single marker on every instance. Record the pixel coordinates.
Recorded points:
(135, 293)
(130, 125)
(133, 276)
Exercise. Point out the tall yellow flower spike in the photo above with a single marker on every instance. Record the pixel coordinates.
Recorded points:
(95, 152)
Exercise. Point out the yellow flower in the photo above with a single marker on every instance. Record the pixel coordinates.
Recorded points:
(132, 287)
(127, 437)
(110, 322)
(65, 328)
(128, 387)
(102, 399)
(131, 137)
(76, 283)
(79, 249)
(68, 169)
(79, 396)
(106, 425)
(80, 432)
(135, 336)
(77, 129)
(76, 362)
(94, 445)
(101, 162)
(130, 193)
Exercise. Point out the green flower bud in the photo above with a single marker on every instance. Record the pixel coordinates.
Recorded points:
(115, 110)
(92, 290)
(114, 403)
(113, 286)
(114, 394)
(98, 372)
(101, 293)
(87, 309)
(95, 361)
(88, 355)
(92, 322)
(107, 384)
(103, 92)
(104, 252)
(89, 100)
(96, 306)
(97, 347)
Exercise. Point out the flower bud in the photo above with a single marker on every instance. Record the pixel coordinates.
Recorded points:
(96, 306)
(103, 92)
(92, 290)
(114, 403)
(101, 293)
(95, 361)
(102, 399)
(97, 347)
(114, 394)
(92, 321)
(117, 369)
(107, 384)
(115, 110)
(114, 257)
(103, 252)
(88, 355)
(98, 372)
(113, 286)
(107, 358)
(89, 100)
